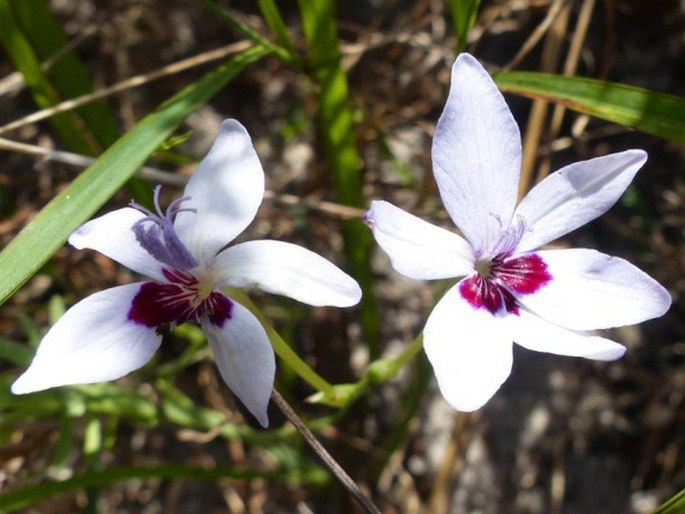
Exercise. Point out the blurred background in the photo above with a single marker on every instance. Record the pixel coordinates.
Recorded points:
(562, 436)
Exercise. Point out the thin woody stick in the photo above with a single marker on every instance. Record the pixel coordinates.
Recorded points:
(172, 179)
(129, 83)
(323, 454)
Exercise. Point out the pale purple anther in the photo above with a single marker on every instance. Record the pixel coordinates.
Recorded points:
(155, 233)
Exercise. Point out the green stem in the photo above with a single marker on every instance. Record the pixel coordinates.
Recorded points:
(336, 128)
(282, 348)
(19, 498)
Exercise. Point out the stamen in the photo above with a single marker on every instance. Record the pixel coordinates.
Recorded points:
(155, 233)
(509, 238)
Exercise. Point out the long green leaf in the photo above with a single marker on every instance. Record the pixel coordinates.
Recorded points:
(274, 20)
(337, 131)
(41, 238)
(69, 76)
(19, 49)
(675, 505)
(463, 17)
(659, 114)
(32, 494)
(253, 35)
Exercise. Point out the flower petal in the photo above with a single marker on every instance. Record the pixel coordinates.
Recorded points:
(534, 333)
(418, 249)
(287, 269)
(245, 359)
(113, 236)
(470, 350)
(93, 342)
(575, 195)
(477, 155)
(225, 192)
(590, 290)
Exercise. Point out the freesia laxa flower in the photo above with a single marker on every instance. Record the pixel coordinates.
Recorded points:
(544, 300)
(183, 251)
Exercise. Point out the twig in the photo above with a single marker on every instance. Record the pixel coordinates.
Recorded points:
(129, 83)
(172, 179)
(323, 454)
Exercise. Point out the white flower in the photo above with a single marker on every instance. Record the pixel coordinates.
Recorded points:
(114, 332)
(542, 300)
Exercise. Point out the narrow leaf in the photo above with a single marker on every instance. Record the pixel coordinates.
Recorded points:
(68, 75)
(463, 17)
(274, 20)
(674, 505)
(659, 114)
(336, 126)
(31, 494)
(19, 49)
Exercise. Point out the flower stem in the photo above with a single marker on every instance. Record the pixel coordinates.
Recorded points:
(323, 454)
(282, 348)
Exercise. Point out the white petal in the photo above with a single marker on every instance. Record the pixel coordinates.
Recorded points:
(539, 335)
(93, 342)
(575, 195)
(418, 249)
(470, 350)
(590, 290)
(225, 191)
(477, 155)
(245, 359)
(287, 269)
(112, 236)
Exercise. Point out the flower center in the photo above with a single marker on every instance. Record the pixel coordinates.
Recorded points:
(500, 277)
(183, 298)
(494, 285)
(155, 233)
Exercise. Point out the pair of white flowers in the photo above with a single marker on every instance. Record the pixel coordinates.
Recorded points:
(511, 292)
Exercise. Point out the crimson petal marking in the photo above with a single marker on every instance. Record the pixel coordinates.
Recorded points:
(524, 275)
(157, 304)
(483, 292)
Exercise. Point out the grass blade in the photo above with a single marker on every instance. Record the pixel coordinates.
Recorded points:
(69, 76)
(337, 130)
(674, 505)
(19, 49)
(275, 22)
(463, 17)
(32, 494)
(659, 114)
(248, 32)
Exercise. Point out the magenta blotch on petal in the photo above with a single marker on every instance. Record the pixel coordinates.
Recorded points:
(177, 302)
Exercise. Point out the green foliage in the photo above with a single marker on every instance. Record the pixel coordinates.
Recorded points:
(463, 17)
(336, 127)
(29, 495)
(655, 113)
(675, 505)
(24, 57)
